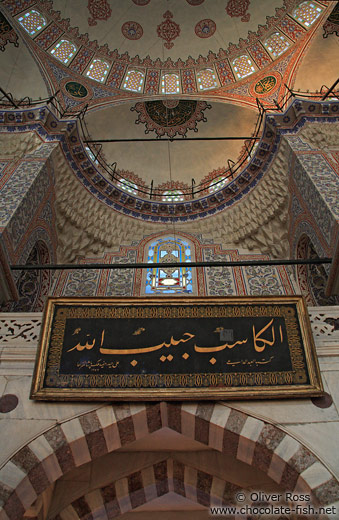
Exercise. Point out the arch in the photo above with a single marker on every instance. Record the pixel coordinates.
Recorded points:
(149, 483)
(74, 442)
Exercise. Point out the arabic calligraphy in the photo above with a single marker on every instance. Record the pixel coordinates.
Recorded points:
(259, 342)
(265, 85)
(219, 348)
(98, 364)
(76, 89)
(257, 338)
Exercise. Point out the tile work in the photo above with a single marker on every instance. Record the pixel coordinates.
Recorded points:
(16, 188)
(219, 281)
(320, 206)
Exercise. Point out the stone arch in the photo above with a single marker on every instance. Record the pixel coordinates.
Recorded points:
(150, 483)
(85, 438)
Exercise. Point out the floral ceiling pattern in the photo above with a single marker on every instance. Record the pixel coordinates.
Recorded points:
(170, 117)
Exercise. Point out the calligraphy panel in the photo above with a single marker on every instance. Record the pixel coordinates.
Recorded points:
(176, 348)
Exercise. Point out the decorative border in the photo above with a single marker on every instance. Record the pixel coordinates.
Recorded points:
(87, 48)
(49, 128)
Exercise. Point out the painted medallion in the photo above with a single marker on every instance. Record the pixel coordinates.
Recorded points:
(265, 85)
(75, 89)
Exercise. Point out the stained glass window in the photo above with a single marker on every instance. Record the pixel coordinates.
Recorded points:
(243, 66)
(64, 51)
(252, 152)
(169, 280)
(277, 44)
(127, 185)
(98, 70)
(218, 183)
(173, 196)
(170, 84)
(307, 13)
(91, 154)
(206, 79)
(32, 21)
(134, 80)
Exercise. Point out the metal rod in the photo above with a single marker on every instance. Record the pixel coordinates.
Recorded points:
(330, 90)
(9, 97)
(232, 138)
(170, 264)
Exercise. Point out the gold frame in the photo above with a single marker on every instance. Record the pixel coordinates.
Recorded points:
(314, 388)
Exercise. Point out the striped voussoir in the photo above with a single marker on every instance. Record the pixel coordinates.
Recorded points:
(80, 440)
(148, 484)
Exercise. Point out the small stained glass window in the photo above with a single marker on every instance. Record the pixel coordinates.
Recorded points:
(169, 280)
(64, 51)
(218, 183)
(134, 80)
(32, 21)
(276, 44)
(170, 84)
(307, 13)
(127, 185)
(206, 79)
(252, 152)
(98, 70)
(91, 154)
(243, 66)
(173, 196)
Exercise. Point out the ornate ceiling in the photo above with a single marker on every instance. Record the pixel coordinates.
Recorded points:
(167, 28)
(156, 37)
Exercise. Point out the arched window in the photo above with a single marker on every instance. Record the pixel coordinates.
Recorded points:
(173, 196)
(276, 44)
(91, 154)
(169, 280)
(307, 13)
(252, 152)
(206, 79)
(64, 51)
(243, 66)
(127, 185)
(134, 80)
(218, 183)
(170, 84)
(32, 21)
(98, 70)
